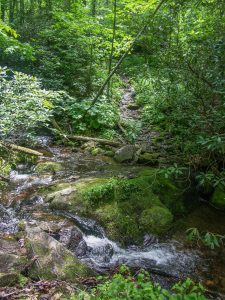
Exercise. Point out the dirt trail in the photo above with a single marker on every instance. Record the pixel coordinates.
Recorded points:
(130, 111)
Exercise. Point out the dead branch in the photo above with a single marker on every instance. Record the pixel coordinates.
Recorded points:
(21, 149)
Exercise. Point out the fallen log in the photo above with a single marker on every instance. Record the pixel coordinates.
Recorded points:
(97, 140)
(21, 149)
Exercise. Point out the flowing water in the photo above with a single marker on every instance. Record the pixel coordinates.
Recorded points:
(22, 201)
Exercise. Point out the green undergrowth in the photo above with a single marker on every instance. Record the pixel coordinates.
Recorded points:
(124, 286)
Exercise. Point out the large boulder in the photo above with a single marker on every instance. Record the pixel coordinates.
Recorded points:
(62, 199)
(53, 259)
(218, 197)
(77, 196)
(124, 207)
(126, 153)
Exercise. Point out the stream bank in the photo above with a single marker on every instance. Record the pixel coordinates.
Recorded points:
(70, 201)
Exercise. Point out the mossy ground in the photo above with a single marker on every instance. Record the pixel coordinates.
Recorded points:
(218, 197)
(48, 167)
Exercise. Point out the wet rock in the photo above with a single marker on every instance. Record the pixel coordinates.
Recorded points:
(72, 238)
(76, 237)
(126, 153)
(54, 260)
(48, 167)
(150, 239)
(81, 249)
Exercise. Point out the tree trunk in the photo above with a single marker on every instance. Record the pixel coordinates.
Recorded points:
(112, 45)
(12, 4)
(3, 9)
(22, 11)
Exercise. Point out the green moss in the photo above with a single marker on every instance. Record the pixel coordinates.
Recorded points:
(123, 206)
(9, 279)
(3, 185)
(96, 151)
(149, 158)
(118, 225)
(218, 197)
(48, 167)
(99, 192)
(25, 158)
(156, 219)
(72, 271)
(121, 216)
(109, 153)
(171, 193)
(5, 167)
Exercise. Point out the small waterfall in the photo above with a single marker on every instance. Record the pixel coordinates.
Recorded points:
(103, 254)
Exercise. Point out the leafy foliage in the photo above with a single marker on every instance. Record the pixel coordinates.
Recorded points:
(209, 239)
(12, 50)
(124, 286)
(24, 105)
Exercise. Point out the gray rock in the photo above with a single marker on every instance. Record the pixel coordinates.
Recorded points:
(61, 199)
(54, 260)
(126, 153)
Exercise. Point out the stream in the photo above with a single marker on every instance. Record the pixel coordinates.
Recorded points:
(166, 258)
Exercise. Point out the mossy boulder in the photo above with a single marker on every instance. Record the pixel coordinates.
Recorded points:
(218, 197)
(171, 192)
(79, 196)
(9, 279)
(48, 167)
(156, 219)
(148, 158)
(126, 208)
(54, 260)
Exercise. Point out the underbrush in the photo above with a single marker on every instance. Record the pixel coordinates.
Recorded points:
(125, 286)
